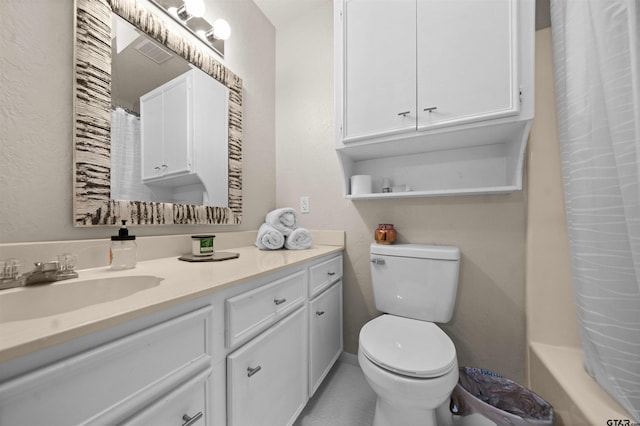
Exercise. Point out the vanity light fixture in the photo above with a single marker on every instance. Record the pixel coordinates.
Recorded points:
(189, 14)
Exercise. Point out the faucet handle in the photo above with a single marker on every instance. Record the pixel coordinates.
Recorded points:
(66, 262)
(9, 269)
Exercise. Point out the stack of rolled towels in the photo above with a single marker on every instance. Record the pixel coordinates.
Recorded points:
(280, 230)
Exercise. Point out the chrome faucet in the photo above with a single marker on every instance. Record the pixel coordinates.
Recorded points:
(48, 272)
(44, 272)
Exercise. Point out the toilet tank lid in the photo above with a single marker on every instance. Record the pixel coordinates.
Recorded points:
(423, 251)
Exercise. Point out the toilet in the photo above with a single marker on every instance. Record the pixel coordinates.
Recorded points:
(408, 361)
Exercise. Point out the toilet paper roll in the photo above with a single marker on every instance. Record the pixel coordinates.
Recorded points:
(360, 184)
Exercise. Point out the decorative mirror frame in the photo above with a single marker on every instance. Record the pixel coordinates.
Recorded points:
(92, 121)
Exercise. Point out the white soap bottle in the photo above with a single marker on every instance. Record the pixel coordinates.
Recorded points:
(123, 249)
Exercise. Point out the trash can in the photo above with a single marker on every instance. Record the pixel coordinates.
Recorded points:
(483, 394)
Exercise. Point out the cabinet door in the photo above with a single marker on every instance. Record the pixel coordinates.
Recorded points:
(177, 128)
(152, 134)
(379, 68)
(325, 334)
(266, 378)
(466, 61)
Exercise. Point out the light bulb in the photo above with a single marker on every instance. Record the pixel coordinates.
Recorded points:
(221, 29)
(195, 7)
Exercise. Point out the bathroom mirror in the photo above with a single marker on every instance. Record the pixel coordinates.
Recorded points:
(93, 204)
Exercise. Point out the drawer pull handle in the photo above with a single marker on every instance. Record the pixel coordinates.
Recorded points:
(318, 313)
(404, 113)
(430, 109)
(188, 421)
(279, 301)
(252, 371)
(377, 261)
(331, 273)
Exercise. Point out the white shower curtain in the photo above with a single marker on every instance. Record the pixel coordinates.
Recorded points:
(126, 180)
(597, 70)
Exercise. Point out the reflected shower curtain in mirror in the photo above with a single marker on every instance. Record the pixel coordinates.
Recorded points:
(126, 180)
(596, 47)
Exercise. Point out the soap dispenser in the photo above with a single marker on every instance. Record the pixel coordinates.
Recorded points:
(123, 249)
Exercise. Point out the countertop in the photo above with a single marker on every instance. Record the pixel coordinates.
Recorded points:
(182, 282)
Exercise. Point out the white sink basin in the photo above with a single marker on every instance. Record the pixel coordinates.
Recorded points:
(64, 296)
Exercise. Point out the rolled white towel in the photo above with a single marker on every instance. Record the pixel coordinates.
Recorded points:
(269, 238)
(300, 239)
(284, 220)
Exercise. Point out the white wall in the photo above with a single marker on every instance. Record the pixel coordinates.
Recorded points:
(488, 327)
(36, 45)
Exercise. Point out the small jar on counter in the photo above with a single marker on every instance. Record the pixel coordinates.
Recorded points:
(202, 245)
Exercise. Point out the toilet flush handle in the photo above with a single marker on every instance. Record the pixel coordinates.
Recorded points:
(377, 261)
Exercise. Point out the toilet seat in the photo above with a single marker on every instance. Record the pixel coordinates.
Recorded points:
(408, 347)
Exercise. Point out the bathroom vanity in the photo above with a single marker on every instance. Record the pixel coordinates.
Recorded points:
(241, 342)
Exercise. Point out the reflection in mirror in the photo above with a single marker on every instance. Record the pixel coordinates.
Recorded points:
(168, 124)
(93, 204)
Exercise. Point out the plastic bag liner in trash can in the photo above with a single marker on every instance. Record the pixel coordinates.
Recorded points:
(499, 399)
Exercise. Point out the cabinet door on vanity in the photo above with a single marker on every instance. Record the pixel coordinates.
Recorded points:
(379, 67)
(466, 65)
(267, 377)
(325, 334)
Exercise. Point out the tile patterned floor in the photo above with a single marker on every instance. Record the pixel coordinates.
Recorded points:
(344, 399)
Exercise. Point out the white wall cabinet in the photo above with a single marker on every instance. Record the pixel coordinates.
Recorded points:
(184, 134)
(434, 94)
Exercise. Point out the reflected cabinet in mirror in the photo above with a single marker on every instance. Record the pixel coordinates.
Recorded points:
(158, 122)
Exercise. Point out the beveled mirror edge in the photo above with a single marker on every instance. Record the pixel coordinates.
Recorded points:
(92, 121)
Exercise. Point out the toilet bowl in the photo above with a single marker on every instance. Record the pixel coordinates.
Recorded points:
(412, 367)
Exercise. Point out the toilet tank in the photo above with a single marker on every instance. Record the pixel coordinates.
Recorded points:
(415, 280)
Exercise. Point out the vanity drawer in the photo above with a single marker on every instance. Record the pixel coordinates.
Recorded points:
(249, 313)
(324, 274)
(104, 384)
(187, 402)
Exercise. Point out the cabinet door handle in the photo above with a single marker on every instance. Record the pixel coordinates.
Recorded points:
(279, 301)
(252, 371)
(331, 273)
(378, 261)
(430, 109)
(319, 313)
(188, 421)
(404, 113)
(156, 168)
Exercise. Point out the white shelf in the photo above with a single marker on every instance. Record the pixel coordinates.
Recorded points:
(434, 193)
(476, 160)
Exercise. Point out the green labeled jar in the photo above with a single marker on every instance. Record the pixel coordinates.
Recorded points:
(202, 245)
